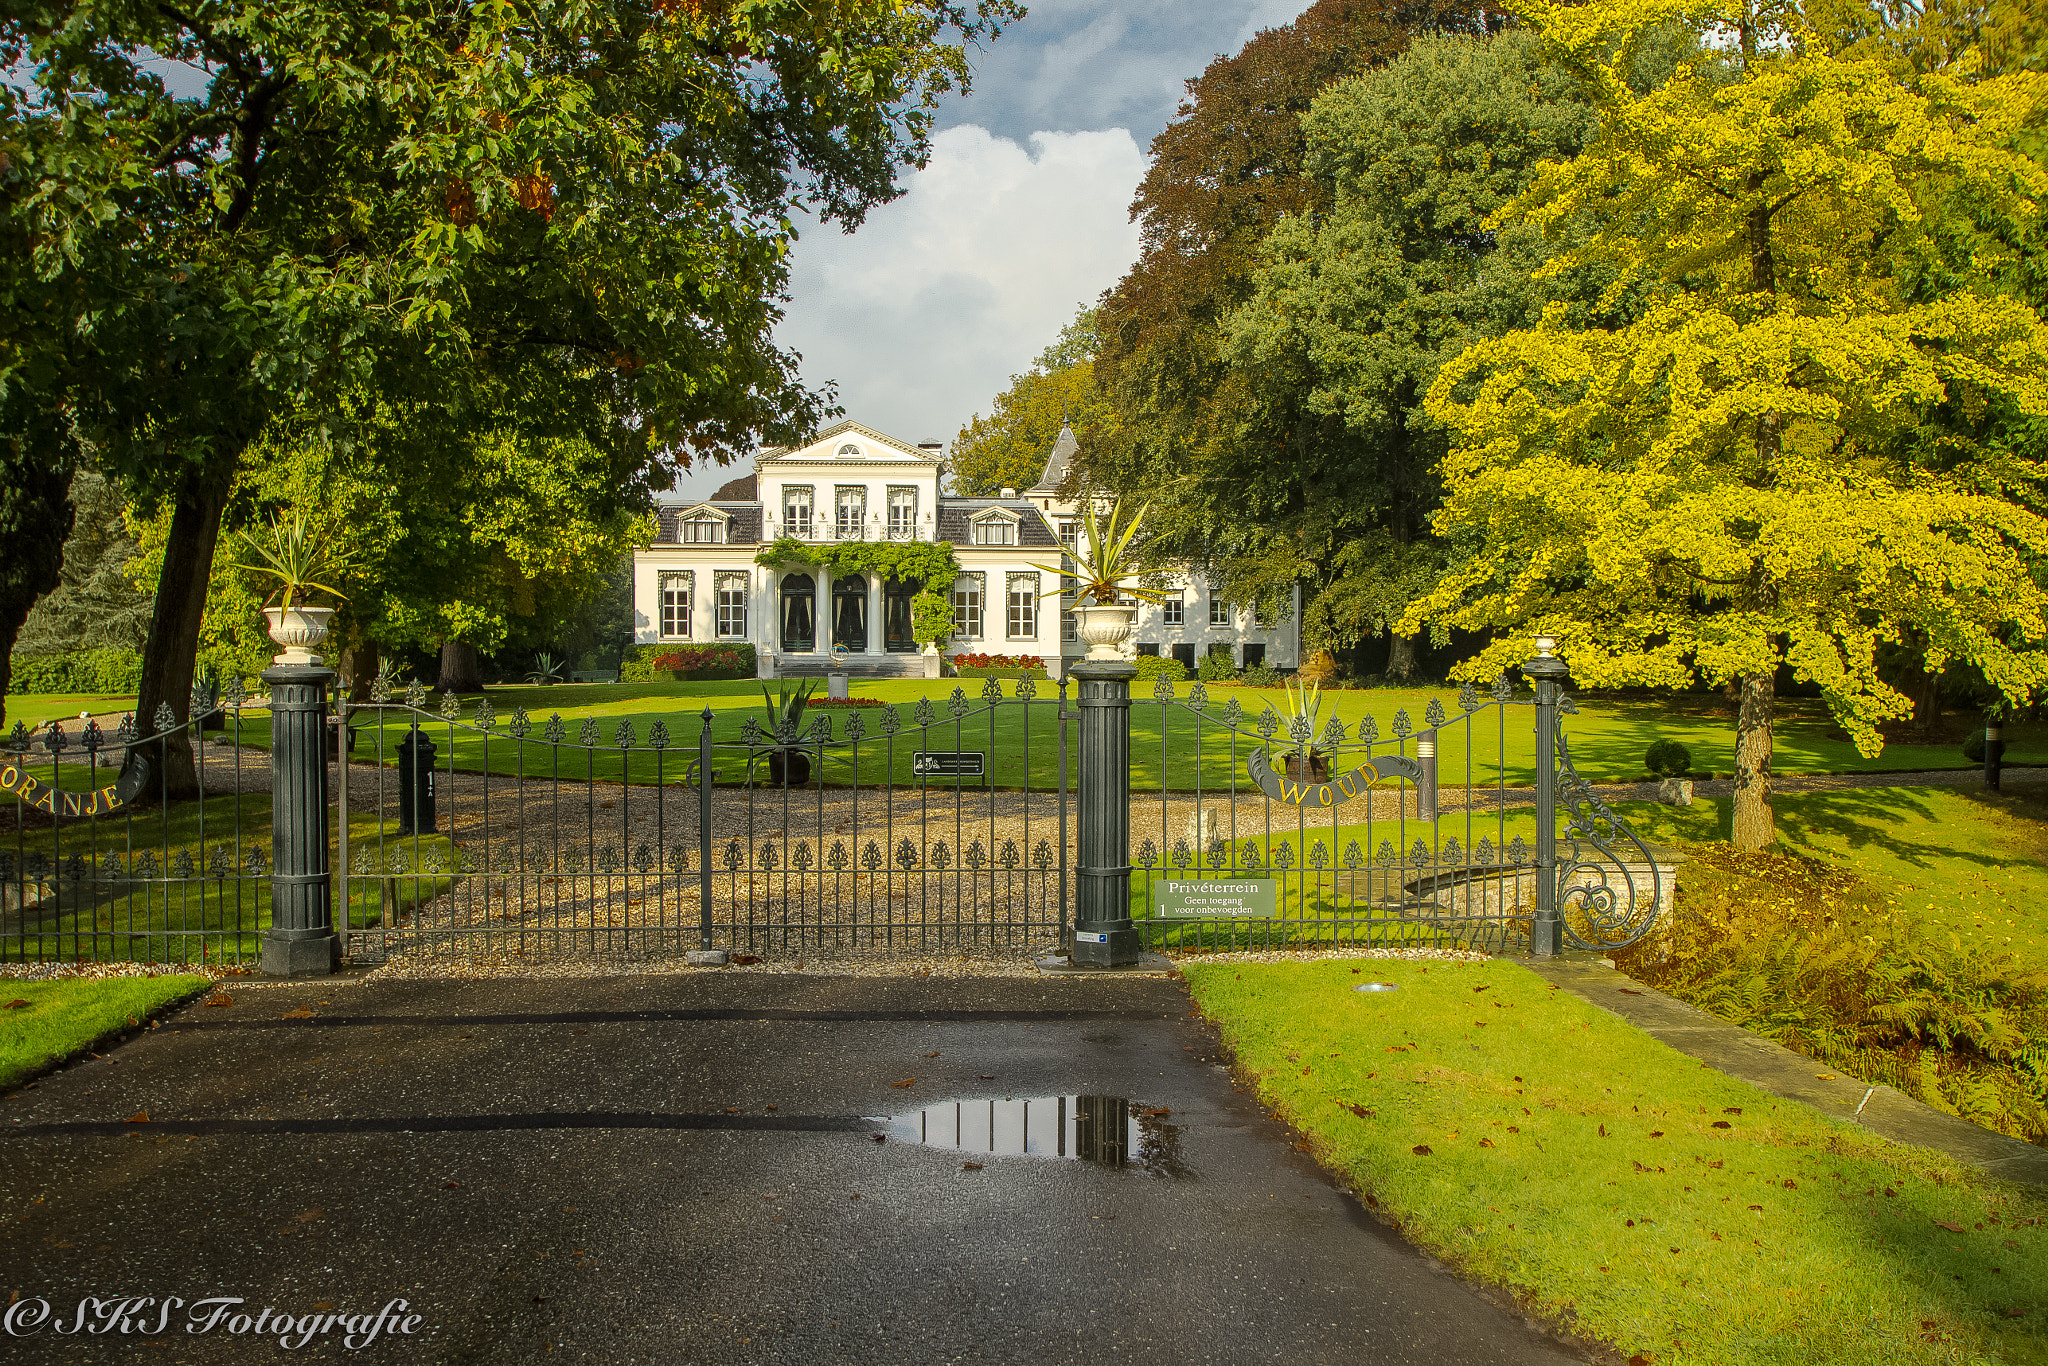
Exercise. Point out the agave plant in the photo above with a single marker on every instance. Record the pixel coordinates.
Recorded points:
(1104, 570)
(1304, 703)
(787, 703)
(546, 669)
(294, 553)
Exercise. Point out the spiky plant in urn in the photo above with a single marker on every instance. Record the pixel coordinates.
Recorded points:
(1105, 573)
(298, 556)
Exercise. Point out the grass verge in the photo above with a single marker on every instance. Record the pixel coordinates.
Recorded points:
(1623, 1189)
(63, 1016)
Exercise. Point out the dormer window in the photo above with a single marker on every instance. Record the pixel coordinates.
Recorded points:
(994, 528)
(701, 530)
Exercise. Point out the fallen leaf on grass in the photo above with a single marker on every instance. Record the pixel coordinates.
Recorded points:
(16, 1004)
(1758, 1208)
(1732, 1110)
(1656, 1133)
(1420, 1150)
(1486, 1143)
(1722, 1124)
(1943, 1223)
(1361, 1111)
(907, 1081)
(2015, 1313)
(1640, 1358)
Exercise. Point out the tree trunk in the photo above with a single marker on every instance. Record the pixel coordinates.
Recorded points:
(1401, 658)
(363, 664)
(169, 658)
(459, 668)
(35, 517)
(1754, 826)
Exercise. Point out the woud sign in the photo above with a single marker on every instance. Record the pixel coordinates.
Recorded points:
(1250, 897)
(1295, 792)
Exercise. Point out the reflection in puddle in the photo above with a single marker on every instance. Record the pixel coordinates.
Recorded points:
(1107, 1130)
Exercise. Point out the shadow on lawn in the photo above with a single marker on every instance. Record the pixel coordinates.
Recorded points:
(1871, 817)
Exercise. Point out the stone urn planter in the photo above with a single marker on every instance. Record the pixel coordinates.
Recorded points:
(1104, 627)
(298, 629)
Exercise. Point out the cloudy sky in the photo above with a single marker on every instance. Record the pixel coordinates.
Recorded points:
(1022, 215)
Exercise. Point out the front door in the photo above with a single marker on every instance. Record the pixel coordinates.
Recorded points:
(896, 600)
(799, 622)
(850, 613)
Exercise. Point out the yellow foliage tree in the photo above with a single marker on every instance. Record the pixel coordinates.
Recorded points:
(1803, 435)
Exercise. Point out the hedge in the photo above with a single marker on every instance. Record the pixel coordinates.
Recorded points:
(78, 671)
(641, 663)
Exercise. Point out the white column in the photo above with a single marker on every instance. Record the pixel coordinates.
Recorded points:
(875, 643)
(822, 612)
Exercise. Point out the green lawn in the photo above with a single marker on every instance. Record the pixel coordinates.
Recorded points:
(1608, 735)
(194, 900)
(50, 1020)
(32, 709)
(1615, 1185)
(1969, 861)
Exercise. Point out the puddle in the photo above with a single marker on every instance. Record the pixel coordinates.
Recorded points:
(1109, 1131)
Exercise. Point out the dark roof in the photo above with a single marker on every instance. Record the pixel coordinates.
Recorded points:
(742, 522)
(740, 490)
(1060, 464)
(954, 514)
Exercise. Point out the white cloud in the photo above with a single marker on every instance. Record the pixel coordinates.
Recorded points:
(923, 314)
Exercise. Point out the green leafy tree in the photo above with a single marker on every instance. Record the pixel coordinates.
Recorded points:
(96, 605)
(561, 219)
(1008, 448)
(1354, 308)
(1754, 470)
(1231, 166)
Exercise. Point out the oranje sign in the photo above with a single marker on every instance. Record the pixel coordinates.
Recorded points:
(98, 802)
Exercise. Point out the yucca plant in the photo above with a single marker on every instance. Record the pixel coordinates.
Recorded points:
(1104, 569)
(294, 553)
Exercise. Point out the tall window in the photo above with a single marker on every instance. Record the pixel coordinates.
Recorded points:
(732, 604)
(902, 514)
(677, 592)
(995, 531)
(1023, 607)
(1070, 623)
(703, 531)
(1070, 533)
(967, 605)
(851, 509)
(1173, 612)
(796, 510)
(1219, 611)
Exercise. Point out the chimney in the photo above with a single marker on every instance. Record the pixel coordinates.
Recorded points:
(931, 444)
(1009, 495)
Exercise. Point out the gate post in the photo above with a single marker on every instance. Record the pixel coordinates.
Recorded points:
(1548, 672)
(1103, 934)
(301, 941)
(704, 776)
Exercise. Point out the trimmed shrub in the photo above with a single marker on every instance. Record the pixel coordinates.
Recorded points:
(78, 671)
(1154, 667)
(1668, 759)
(1215, 668)
(1261, 675)
(1973, 748)
(816, 702)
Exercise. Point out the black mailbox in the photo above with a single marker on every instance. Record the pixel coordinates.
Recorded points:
(416, 784)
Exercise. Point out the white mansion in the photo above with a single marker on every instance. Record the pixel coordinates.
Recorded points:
(698, 581)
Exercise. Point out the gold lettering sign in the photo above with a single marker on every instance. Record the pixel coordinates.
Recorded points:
(1294, 792)
(98, 802)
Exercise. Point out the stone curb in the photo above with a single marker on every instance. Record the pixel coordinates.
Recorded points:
(1735, 1051)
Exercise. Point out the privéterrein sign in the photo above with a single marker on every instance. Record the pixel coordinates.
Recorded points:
(1249, 897)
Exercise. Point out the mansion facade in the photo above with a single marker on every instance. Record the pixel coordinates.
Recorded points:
(698, 582)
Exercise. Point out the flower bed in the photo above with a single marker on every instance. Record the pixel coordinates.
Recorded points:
(817, 702)
(998, 666)
(678, 663)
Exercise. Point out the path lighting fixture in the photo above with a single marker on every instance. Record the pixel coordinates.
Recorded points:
(1376, 986)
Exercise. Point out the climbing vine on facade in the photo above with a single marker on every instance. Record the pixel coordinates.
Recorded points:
(929, 564)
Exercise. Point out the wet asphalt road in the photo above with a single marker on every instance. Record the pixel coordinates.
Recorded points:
(591, 1170)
